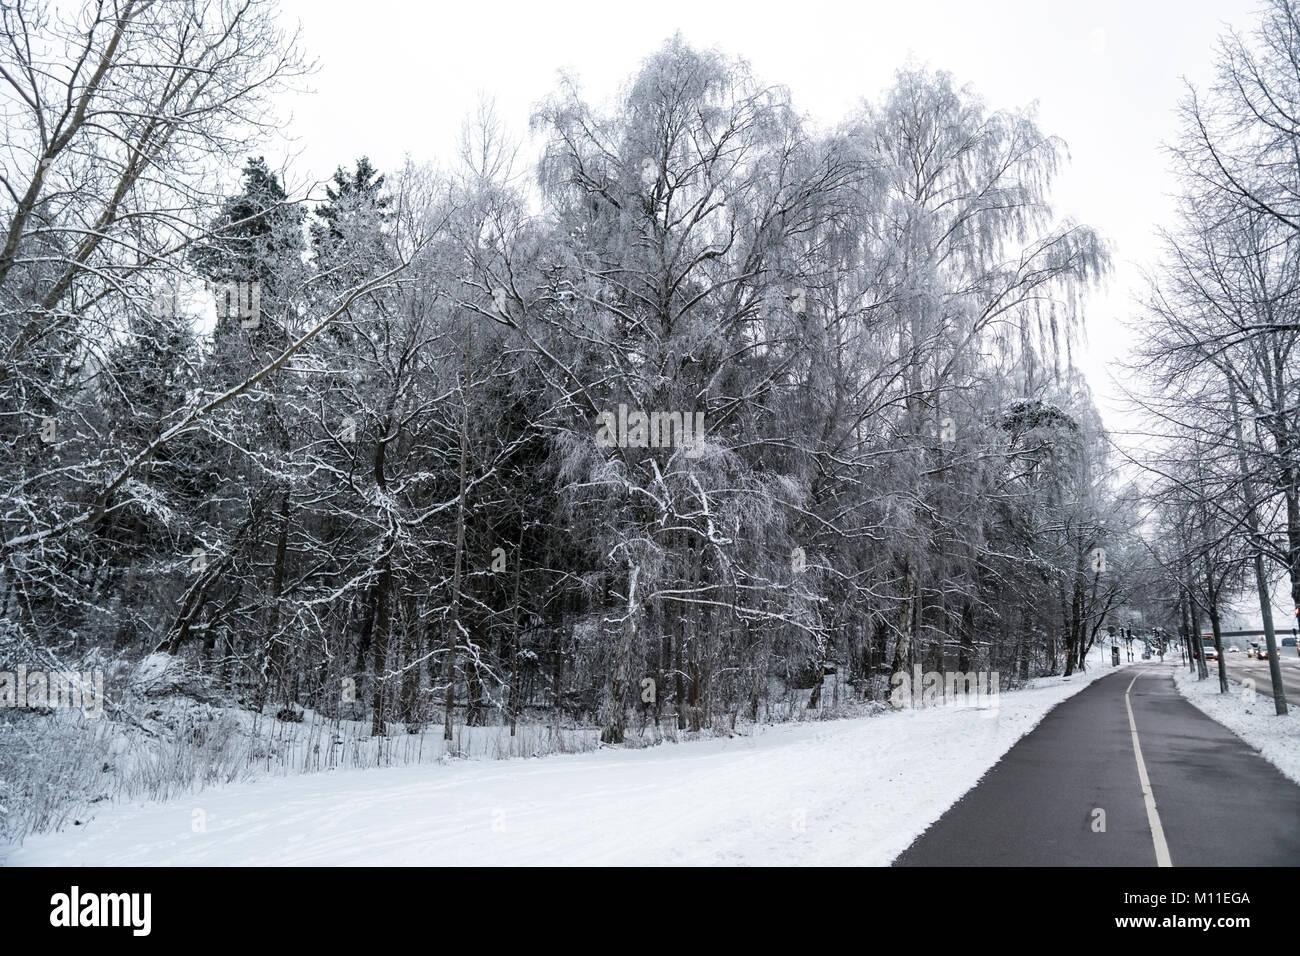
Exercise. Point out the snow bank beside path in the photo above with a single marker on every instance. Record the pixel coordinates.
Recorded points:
(849, 792)
(1249, 715)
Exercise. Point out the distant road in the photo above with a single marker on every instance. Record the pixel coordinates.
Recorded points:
(1241, 667)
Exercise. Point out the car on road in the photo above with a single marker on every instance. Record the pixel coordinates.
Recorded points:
(1261, 652)
(1233, 649)
(1211, 654)
(1253, 650)
(1289, 642)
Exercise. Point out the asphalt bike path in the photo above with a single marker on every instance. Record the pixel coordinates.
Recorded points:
(1075, 792)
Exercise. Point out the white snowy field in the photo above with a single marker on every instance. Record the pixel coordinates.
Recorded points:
(1250, 715)
(851, 792)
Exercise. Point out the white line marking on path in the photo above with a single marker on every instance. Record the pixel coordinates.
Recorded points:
(1153, 817)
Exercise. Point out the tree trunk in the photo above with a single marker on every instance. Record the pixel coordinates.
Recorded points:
(453, 632)
(512, 706)
(614, 723)
(411, 669)
(965, 653)
(906, 619)
(379, 666)
(1261, 579)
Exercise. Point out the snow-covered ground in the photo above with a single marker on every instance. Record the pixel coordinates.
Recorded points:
(836, 792)
(1249, 715)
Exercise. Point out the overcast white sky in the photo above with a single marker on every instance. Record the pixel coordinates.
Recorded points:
(398, 78)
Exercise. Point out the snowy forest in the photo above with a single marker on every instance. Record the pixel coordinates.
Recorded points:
(661, 417)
